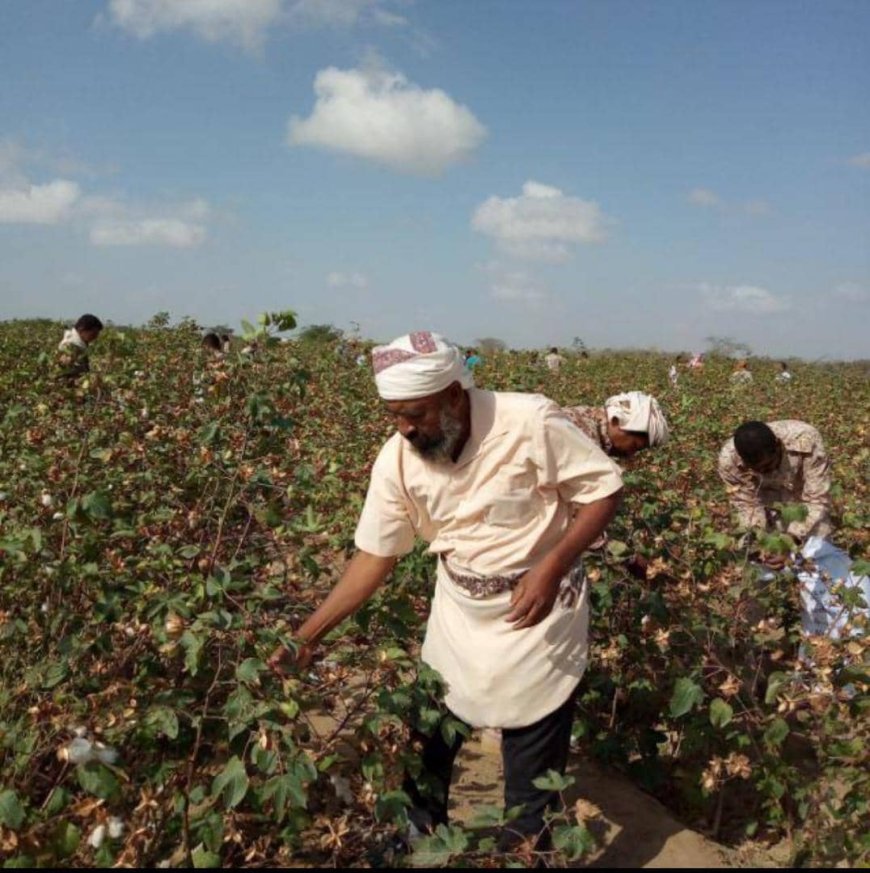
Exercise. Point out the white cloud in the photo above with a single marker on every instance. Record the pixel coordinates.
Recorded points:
(852, 293)
(343, 13)
(347, 280)
(743, 298)
(862, 160)
(173, 232)
(379, 115)
(246, 22)
(239, 21)
(542, 223)
(704, 197)
(38, 204)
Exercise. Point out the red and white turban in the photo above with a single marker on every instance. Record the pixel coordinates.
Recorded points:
(417, 365)
(639, 412)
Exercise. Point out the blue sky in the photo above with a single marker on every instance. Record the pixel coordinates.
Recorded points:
(637, 174)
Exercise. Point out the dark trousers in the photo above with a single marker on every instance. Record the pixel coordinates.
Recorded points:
(527, 752)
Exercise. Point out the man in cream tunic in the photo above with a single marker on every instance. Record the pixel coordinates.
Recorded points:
(508, 493)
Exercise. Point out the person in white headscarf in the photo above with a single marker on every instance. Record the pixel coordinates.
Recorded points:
(508, 494)
(626, 424)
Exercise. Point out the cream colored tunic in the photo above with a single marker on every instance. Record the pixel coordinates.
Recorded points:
(505, 502)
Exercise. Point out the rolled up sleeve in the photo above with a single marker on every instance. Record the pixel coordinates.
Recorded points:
(384, 528)
(572, 463)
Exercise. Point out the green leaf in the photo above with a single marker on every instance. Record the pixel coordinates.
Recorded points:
(97, 505)
(203, 859)
(776, 733)
(192, 645)
(487, 816)
(392, 806)
(775, 682)
(11, 810)
(249, 671)
(720, 713)
(99, 780)
(553, 781)
(55, 674)
(232, 781)
(285, 792)
(617, 548)
(687, 694)
(163, 720)
(19, 862)
(57, 801)
(574, 840)
(210, 433)
(65, 839)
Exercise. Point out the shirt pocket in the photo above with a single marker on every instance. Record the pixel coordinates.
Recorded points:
(515, 500)
(512, 509)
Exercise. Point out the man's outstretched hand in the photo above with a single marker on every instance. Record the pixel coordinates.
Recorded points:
(283, 661)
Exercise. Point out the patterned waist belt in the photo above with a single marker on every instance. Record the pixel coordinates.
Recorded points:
(487, 586)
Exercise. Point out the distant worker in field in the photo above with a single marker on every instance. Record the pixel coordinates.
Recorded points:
(674, 372)
(741, 374)
(212, 345)
(626, 424)
(472, 359)
(696, 362)
(508, 494)
(783, 377)
(72, 352)
(554, 360)
(226, 343)
(765, 466)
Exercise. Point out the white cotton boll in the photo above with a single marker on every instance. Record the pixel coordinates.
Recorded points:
(46, 499)
(58, 516)
(80, 751)
(3, 495)
(44, 608)
(79, 731)
(106, 754)
(116, 827)
(342, 788)
(97, 835)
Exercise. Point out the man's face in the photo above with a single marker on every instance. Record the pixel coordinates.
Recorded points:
(430, 424)
(625, 443)
(769, 463)
(88, 336)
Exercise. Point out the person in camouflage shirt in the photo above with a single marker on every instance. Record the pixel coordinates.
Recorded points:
(626, 424)
(71, 358)
(780, 462)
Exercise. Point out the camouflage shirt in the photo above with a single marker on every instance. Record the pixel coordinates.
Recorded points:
(592, 420)
(803, 476)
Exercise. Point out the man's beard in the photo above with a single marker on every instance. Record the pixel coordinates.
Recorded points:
(440, 449)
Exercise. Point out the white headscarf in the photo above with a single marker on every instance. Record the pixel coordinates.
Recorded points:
(636, 411)
(417, 365)
(71, 338)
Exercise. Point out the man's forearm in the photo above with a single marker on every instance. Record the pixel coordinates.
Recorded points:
(588, 524)
(362, 578)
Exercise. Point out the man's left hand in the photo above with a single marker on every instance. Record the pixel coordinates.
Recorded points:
(533, 598)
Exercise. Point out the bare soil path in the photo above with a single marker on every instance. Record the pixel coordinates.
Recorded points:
(633, 829)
